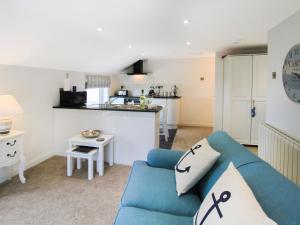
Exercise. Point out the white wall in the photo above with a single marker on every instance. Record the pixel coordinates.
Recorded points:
(218, 97)
(197, 96)
(281, 111)
(37, 90)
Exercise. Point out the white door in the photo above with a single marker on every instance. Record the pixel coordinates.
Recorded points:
(237, 97)
(259, 93)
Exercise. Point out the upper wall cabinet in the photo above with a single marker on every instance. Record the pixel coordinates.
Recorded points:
(245, 80)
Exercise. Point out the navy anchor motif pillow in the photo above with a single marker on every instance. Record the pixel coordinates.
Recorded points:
(231, 202)
(193, 165)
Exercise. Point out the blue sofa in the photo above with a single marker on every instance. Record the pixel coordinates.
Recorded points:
(150, 197)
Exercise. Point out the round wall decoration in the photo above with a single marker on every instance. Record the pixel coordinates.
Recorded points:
(291, 74)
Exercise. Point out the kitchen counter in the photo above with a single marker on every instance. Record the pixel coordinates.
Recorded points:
(135, 130)
(171, 97)
(128, 108)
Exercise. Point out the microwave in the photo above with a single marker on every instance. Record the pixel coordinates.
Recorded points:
(122, 93)
(70, 98)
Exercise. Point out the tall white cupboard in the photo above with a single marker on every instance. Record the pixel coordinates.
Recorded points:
(245, 85)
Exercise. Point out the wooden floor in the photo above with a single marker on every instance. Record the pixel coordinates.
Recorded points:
(253, 149)
(187, 136)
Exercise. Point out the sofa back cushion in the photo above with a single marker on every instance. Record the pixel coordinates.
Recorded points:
(279, 197)
(231, 202)
(231, 151)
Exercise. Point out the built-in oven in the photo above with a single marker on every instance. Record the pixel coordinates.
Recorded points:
(124, 100)
(135, 100)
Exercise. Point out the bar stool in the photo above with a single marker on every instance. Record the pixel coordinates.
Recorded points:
(164, 124)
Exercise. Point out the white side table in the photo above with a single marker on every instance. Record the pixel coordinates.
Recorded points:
(11, 151)
(100, 145)
(80, 155)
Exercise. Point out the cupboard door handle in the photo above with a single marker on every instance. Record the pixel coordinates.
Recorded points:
(11, 144)
(253, 112)
(12, 155)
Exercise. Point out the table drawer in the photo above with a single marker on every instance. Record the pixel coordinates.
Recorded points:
(10, 151)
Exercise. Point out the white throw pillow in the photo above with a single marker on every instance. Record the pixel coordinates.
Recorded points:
(193, 165)
(231, 202)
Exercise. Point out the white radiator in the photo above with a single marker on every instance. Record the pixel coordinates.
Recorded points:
(280, 150)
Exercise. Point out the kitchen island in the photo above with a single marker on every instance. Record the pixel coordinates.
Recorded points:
(135, 130)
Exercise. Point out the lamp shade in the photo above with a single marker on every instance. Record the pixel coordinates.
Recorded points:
(9, 106)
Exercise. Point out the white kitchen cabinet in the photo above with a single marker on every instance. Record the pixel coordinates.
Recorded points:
(245, 79)
(173, 107)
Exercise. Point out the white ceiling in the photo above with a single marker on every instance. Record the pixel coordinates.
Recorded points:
(63, 34)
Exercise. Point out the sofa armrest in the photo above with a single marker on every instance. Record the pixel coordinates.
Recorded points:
(163, 158)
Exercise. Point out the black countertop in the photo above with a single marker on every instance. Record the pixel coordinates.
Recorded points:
(127, 108)
(171, 97)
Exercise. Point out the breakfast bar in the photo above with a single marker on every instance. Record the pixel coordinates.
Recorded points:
(127, 123)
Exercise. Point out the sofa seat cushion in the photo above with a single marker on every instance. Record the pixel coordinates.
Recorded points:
(279, 197)
(155, 189)
(136, 216)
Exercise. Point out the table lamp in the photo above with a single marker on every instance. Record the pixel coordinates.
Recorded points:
(8, 107)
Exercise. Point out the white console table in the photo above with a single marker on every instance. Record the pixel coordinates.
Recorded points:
(11, 151)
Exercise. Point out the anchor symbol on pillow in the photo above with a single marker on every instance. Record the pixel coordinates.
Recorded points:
(224, 197)
(186, 169)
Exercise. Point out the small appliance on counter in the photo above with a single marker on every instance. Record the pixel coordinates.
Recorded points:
(175, 90)
(72, 98)
(122, 92)
(151, 92)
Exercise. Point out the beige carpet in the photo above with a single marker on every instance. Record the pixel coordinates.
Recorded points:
(50, 197)
(186, 136)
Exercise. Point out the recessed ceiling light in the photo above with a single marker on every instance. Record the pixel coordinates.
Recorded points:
(188, 43)
(129, 46)
(186, 22)
(99, 29)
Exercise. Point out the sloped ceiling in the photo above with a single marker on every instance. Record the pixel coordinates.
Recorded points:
(62, 34)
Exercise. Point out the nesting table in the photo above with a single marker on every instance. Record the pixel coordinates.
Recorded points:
(98, 154)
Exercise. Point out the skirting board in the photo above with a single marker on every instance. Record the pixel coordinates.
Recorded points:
(39, 160)
(195, 125)
(30, 164)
